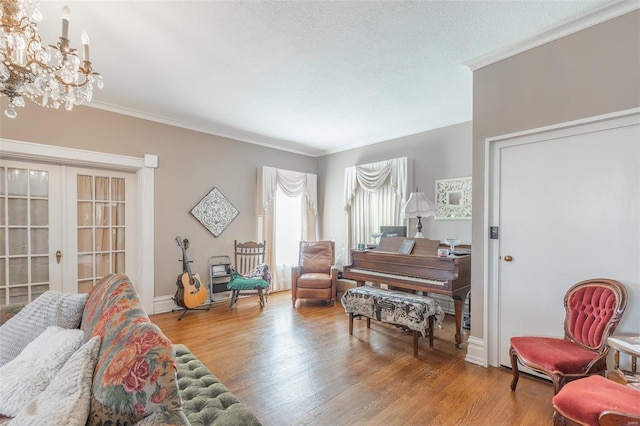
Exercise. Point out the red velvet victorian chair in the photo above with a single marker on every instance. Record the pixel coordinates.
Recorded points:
(596, 401)
(593, 309)
(315, 276)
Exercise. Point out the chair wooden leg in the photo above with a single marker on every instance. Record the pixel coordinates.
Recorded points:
(558, 419)
(351, 324)
(558, 383)
(514, 369)
(431, 331)
(415, 344)
(234, 298)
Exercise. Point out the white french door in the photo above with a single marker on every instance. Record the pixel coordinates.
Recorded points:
(101, 226)
(63, 228)
(30, 231)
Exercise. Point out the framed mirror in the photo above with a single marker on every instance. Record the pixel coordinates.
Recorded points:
(453, 198)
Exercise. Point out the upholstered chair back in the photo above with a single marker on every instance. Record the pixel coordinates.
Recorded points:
(593, 310)
(316, 256)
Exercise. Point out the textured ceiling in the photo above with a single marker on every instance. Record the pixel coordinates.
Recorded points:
(306, 76)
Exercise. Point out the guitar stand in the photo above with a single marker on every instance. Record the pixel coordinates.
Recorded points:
(185, 310)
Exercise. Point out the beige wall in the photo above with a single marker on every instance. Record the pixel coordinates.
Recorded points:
(190, 165)
(592, 72)
(588, 73)
(437, 154)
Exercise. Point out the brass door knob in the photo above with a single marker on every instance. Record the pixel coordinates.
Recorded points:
(508, 258)
(58, 256)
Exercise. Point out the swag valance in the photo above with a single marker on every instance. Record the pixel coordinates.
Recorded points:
(373, 177)
(291, 183)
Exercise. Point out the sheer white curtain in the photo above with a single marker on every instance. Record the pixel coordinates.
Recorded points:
(276, 183)
(373, 196)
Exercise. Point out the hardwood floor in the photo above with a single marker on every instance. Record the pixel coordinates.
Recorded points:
(301, 367)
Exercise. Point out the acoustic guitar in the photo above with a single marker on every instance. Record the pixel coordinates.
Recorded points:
(190, 292)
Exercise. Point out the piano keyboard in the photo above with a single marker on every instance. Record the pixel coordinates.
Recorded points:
(396, 276)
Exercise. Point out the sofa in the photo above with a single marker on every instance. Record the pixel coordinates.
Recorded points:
(135, 377)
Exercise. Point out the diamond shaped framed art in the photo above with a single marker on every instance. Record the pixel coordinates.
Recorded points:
(215, 212)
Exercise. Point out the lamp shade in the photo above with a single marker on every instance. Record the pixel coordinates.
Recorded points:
(418, 206)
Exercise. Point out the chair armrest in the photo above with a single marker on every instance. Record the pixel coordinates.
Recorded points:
(334, 280)
(614, 418)
(296, 270)
(601, 355)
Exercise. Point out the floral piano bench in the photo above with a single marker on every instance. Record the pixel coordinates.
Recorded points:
(410, 311)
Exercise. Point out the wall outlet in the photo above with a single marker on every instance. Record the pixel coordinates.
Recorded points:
(384, 286)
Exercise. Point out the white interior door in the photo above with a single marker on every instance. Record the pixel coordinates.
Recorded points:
(568, 210)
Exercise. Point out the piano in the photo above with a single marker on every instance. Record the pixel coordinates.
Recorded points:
(421, 270)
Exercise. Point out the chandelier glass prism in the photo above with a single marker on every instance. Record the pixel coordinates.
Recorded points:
(51, 76)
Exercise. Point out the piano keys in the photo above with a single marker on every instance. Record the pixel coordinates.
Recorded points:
(421, 270)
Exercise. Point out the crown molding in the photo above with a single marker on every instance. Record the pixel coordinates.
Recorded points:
(229, 134)
(601, 14)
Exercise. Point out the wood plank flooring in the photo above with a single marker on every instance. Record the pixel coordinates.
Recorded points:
(301, 367)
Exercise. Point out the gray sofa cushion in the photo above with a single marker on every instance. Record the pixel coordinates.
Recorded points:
(206, 401)
(50, 308)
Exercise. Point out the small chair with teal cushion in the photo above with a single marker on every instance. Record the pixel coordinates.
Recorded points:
(593, 309)
(251, 275)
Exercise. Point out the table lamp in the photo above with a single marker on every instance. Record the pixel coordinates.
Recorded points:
(418, 206)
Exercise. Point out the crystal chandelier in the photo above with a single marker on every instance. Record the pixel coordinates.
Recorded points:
(50, 76)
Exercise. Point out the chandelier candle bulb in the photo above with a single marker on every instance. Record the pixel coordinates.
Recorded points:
(85, 45)
(66, 14)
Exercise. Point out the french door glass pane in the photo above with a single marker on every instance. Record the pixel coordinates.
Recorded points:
(38, 183)
(19, 294)
(24, 234)
(85, 240)
(18, 274)
(118, 239)
(39, 269)
(39, 212)
(40, 241)
(118, 263)
(85, 213)
(18, 241)
(85, 266)
(17, 212)
(17, 182)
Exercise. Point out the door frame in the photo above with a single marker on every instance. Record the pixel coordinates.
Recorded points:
(485, 351)
(143, 168)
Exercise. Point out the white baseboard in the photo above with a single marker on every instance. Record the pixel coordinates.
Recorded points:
(164, 304)
(475, 352)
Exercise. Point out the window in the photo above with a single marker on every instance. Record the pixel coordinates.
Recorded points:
(288, 214)
(374, 194)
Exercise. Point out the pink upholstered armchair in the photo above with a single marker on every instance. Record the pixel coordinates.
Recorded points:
(593, 309)
(315, 276)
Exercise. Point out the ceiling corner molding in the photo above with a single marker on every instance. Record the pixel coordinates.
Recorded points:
(236, 135)
(603, 13)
